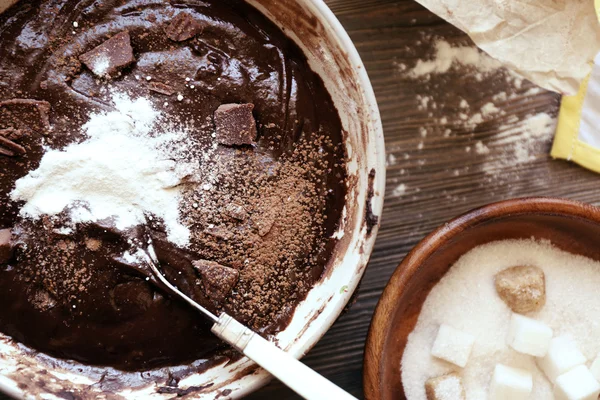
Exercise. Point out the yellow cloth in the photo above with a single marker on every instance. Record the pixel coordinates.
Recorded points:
(578, 131)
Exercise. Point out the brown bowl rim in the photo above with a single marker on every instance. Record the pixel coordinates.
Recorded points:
(376, 338)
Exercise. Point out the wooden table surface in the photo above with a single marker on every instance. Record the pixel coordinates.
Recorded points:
(436, 168)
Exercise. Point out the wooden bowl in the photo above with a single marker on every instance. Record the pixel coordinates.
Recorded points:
(569, 225)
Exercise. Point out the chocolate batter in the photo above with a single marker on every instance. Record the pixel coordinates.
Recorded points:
(261, 231)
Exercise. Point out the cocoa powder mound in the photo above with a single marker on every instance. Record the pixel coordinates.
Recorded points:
(264, 218)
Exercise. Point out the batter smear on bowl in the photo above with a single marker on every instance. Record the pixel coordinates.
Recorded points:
(196, 132)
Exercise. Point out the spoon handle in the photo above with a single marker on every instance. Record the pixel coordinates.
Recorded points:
(297, 376)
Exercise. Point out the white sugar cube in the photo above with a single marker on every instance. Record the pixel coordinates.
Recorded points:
(453, 345)
(529, 336)
(577, 384)
(562, 356)
(510, 383)
(595, 368)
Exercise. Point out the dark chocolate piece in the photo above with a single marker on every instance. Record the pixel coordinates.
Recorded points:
(218, 280)
(161, 88)
(235, 124)
(25, 114)
(110, 57)
(6, 246)
(10, 148)
(13, 134)
(182, 27)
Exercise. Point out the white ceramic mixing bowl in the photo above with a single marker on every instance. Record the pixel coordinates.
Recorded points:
(26, 374)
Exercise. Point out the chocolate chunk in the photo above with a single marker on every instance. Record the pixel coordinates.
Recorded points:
(25, 115)
(109, 57)
(218, 280)
(182, 27)
(161, 88)
(6, 246)
(235, 124)
(13, 134)
(10, 148)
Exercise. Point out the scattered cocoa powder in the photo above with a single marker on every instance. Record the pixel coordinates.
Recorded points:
(271, 214)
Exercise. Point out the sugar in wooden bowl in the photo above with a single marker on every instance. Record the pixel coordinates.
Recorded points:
(528, 332)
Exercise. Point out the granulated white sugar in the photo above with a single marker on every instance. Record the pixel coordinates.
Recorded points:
(466, 299)
(121, 171)
(446, 57)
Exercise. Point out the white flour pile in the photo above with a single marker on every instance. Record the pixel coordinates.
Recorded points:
(121, 171)
(466, 299)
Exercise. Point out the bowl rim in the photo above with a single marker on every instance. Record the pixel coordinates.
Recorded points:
(376, 338)
(328, 19)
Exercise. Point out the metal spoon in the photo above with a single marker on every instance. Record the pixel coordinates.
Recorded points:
(297, 376)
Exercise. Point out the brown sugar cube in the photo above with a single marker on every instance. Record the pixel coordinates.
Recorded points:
(217, 279)
(522, 288)
(235, 124)
(182, 27)
(110, 57)
(6, 246)
(445, 387)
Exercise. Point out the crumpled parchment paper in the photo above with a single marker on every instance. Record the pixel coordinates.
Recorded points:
(550, 42)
